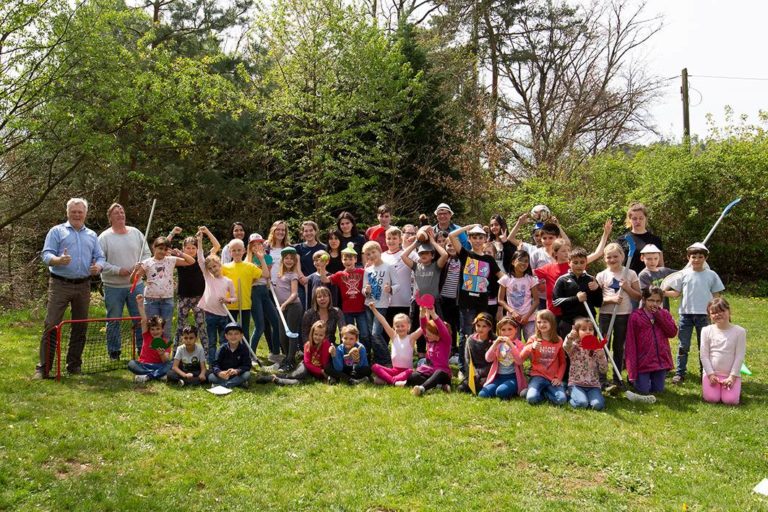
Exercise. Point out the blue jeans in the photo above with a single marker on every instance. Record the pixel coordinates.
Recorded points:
(361, 321)
(381, 353)
(232, 382)
(581, 398)
(687, 323)
(503, 386)
(214, 325)
(154, 370)
(115, 299)
(265, 319)
(466, 317)
(540, 388)
(650, 382)
(162, 308)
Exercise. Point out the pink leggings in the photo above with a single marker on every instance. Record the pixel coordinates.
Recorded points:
(718, 393)
(391, 375)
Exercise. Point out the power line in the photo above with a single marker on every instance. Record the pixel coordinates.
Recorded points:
(731, 77)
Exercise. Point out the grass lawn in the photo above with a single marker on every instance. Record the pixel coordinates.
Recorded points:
(102, 443)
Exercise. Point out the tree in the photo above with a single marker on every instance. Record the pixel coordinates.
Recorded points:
(571, 86)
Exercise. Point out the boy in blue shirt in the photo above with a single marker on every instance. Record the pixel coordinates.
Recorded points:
(232, 367)
(349, 360)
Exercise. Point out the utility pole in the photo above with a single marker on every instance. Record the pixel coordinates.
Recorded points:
(686, 113)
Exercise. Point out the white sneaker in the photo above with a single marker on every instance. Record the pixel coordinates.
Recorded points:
(523, 392)
(417, 390)
(141, 378)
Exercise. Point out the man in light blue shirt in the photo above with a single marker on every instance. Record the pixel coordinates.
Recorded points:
(73, 254)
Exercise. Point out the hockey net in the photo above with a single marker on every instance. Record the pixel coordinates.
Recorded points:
(107, 344)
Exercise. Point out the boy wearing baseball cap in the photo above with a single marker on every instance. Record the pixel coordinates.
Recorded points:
(697, 286)
(653, 274)
(232, 367)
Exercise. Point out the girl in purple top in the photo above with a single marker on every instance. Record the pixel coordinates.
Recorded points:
(436, 371)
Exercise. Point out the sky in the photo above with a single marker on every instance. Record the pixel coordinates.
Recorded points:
(710, 38)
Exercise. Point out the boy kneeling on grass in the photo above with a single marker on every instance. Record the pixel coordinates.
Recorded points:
(189, 361)
(154, 359)
(232, 367)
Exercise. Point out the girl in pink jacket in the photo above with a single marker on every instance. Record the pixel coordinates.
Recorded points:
(647, 353)
(506, 377)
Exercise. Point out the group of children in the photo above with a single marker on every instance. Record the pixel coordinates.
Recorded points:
(481, 295)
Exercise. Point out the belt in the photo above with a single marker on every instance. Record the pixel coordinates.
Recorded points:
(80, 280)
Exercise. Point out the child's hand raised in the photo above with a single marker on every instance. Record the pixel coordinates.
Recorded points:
(608, 226)
(176, 230)
(524, 218)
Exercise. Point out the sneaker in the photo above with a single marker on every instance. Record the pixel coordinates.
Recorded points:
(400, 383)
(275, 358)
(264, 379)
(355, 382)
(417, 390)
(141, 379)
(454, 360)
(378, 381)
(446, 388)
(181, 383)
(611, 389)
(75, 370)
(275, 367)
(523, 392)
(285, 367)
(677, 380)
(115, 356)
(331, 381)
(38, 375)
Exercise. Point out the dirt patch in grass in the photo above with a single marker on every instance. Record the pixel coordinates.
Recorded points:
(70, 468)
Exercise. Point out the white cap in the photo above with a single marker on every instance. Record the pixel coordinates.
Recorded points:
(650, 249)
(477, 230)
(698, 246)
(443, 206)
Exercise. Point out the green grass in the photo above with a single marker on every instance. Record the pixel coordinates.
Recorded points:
(102, 443)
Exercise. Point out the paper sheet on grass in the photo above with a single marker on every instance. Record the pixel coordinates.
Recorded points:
(762, 487)
(219, 390)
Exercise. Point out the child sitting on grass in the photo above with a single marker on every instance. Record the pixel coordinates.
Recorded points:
(349, 359)
(154, 359)
(435, 371)
(586, 368)
(506, 374)
(478, 344)
(547, 361)
(189, 361)
(233, 362)
(402, 349)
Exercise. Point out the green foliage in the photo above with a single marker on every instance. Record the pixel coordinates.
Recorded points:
(684, 191)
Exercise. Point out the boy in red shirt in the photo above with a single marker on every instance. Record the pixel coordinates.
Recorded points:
(155, 358)
(350, 284)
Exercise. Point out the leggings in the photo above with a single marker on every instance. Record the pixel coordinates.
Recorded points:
(714, 393)
(391, 375)
(438, 378)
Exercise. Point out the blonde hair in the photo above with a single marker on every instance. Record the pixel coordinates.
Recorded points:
(401, 317)
(559, 243)
(613, 247)
(210, 259)
(371, 244)
(547, 315)
(236, 241)
(112, 207)
(350, 329)
(320, 324)
(272, 242)
(394, 230)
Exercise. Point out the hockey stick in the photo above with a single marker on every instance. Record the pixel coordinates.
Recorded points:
(631, 396)
(141, 247)
(244, 340)
(288, 332)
